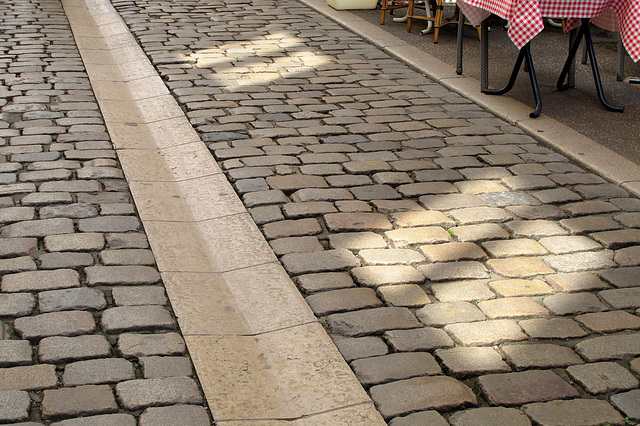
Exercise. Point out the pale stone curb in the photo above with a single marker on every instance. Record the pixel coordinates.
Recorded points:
(259, 351)
(564, 139)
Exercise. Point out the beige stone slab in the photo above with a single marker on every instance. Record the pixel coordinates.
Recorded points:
(178, 246)
(174, 201)
(147, 110)
(159, 134)
(236, 242)
(142, 88)
(107, 57)
(286, 374)
(106, 30)
(114, 42)
(144, 165)
(125, 71)
(362, 414)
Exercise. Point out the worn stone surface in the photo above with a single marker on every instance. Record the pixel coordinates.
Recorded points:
(485, 333)
(489, 416)
(142, 393)
(511, 389)
(462, 361)
(78, 401)
(370, 321)
(540, 355)
(602, 377)
(397, 366)
(574, 412)
(14, 406)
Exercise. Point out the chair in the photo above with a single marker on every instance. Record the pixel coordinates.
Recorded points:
(391, 5)
(436, 19)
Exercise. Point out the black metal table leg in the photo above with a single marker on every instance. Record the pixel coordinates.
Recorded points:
(584, 32)
(525, 54)
(459, 43)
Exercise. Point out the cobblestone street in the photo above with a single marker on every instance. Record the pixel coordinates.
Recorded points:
(467, 273)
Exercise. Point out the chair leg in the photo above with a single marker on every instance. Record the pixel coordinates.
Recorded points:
(409, 15)
(438, 20)
(384, 11)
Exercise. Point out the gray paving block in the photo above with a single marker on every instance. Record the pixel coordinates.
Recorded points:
(97, 371)
(14, 406)
(144, 393)
(78, 401)
(175, 415)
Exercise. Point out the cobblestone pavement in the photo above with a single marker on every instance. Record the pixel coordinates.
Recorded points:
(85, 326)
(468, 274)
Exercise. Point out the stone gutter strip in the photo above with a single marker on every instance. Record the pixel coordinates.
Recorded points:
(564, 139)
(259, 352)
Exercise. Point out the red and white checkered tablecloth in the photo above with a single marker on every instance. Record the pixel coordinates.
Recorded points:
(525, 17)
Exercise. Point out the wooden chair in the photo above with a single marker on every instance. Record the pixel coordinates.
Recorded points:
(391, 5)
(436, 18)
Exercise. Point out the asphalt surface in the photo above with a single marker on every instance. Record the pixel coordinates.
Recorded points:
(577, 108)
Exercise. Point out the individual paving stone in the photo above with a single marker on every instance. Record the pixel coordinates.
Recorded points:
(437, 175)
(311, 208)
(510, 389)
(155, 367)
(587, 224)
(519, 267)
(286, 245)
(127, 257)
(553, 328)
(463, 361)
(127, 240)
(136, 318)
(430, 417)
(14, 406)
(528, 182)
(576, 178)
(397, 206)
(312, 283)
(132, 345)
(535, 228)
(451, 201)
(143, 393)
(10, 247)
(453, 251)
(264, 198)
(291, 228)
(396, 366)
(603, 377)
(38, 228)
(449, 271)
(605, 190)
(569, 244)
(65, 260)
(576, 282)
(630, 220)
(520, 287)
(635, 365)
(418, 339)
(419, 235)
(615, 346)
(361, 347)
(320, 194)
(97, 371)
(40, 280)
(121, 275)
(390, 256)
(440, 314)
(479, 186)
(425, 188)
(584, 261)
(118, 419)
(328, 260)
(540, 356)
(421, 393)
(109, 224)
(82, 299)
(17, 264)
(629, 256)
(462, 291)
(490, 416)
(521, 201)
(604, 322)
(15, 352)
(16, 214)
(533, 212)
(45, 199)
(370, 321)
(409, 295)
(480, 232)
(139, 295)
(623, 298)
(627, 204)
(64, 349)
(622, 277)
(485, 333)
(357, 240)
(353, 206)
(421, 218)
(74, 211)
(78, 401)
(512, 307)
(516, 247)
(345, 222)
(628, 403)
(266, 214)
(617, 239)
(175, 415)
(290, 183)
(485, 173)
(29, 378)
(71, 186)
(573, 413)
(350, 299)
(375, 192)
(345, 181)
(556, 196)
(590, 207)
(68, 323)
(16, 304)
(573, 303)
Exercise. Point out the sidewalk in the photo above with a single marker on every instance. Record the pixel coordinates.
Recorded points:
(468, 273)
